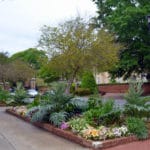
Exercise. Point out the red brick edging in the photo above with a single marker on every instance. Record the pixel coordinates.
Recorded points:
(98, 145)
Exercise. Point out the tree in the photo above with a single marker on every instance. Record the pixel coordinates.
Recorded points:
(75, 46)
(32, 56)
(4, 67)
(19, 72)
(48, 74)
(14, 71)
(127, 18)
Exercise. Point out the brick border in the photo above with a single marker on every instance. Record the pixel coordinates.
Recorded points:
(2, 105)
(95, 145)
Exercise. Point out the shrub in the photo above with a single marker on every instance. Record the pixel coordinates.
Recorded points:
(136, 106)
(4, 95)
(137, 127)
(94, 101)
(111, 118)
(57, 107)
(19, 96)
(88, 81)
(94, 115)
(82, 91)
(58, 118)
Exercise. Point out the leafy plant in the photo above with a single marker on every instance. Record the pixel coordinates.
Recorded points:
(134, 93)
(137, 127)
(58, 118)
(93, 115)
(35, 102)
(94, 101)
(4, 95)
(57, 107)
(111, 118)
(19, 96)
(88, 81)
(78, 124)
(83, 91)
(136, 104)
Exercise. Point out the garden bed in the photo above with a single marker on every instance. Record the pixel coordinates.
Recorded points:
(76, 138)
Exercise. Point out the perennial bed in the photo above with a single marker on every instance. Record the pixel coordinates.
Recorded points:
(76, 138)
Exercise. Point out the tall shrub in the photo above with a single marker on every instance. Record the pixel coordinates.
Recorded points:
(88, 81)
(137, 105)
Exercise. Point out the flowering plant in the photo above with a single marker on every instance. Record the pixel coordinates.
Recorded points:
(64, 125)
(91, 133)
(103, 132)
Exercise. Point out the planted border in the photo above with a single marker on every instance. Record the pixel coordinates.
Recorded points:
(95, 145)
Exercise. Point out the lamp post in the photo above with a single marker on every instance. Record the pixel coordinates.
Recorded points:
(148, 20)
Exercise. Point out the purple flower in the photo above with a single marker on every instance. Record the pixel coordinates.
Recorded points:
(64, 126)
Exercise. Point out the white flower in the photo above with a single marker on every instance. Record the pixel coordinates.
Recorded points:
(124, 130)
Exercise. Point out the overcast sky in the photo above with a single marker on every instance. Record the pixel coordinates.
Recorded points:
(21, 20)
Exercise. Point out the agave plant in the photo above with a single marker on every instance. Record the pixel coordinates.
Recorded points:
(56, 107)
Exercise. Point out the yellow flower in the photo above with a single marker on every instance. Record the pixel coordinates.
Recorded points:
(94, 133)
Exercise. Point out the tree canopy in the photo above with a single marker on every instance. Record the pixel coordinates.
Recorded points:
(127, 18)
(13, 71)
(75, 46)
(32, 56)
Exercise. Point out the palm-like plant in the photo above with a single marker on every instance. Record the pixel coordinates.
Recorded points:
(56, 106)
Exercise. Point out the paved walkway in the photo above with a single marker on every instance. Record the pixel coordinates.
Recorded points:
(140, 145)
(16, 134)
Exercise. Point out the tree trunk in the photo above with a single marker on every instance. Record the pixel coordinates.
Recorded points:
(69, 86)
(70, 81)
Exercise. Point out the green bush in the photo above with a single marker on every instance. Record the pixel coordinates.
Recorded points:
(4, 95)
(19, 96)
(137, 127)
(88, 81)
(137, 105)
(58, 118)
(94, 115)
(111, 118)
(82, 91)
(94, 101)
(57, 107)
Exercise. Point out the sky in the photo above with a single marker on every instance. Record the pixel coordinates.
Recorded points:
(21, 20)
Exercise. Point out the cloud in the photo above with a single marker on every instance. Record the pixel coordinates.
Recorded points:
(22, 19)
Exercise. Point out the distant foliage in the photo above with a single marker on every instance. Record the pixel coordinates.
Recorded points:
(82, 91)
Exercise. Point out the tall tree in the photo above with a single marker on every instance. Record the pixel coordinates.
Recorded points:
(127, 18)
(4, 67)
(75, 46)
(32, 56)
(19, 71)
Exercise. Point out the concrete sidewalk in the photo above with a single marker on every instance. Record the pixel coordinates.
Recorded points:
(139, 145)
(16, 134)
